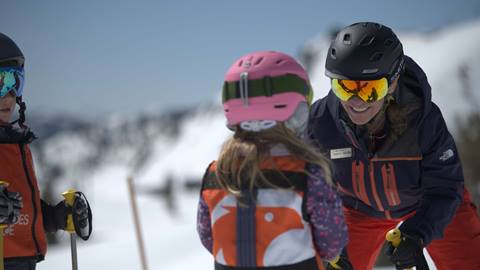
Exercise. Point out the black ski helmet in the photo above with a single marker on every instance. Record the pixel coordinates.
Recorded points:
(364, 51)
(12, 56)
(9, 52)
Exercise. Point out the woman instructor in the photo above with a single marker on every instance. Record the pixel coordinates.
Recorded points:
(395, 160)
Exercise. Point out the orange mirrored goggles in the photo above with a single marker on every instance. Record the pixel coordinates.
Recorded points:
(368, 91)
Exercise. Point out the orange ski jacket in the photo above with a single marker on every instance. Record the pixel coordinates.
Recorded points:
(26, 238)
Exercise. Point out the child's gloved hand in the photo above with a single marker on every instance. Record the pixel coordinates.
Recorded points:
(10, 205)
(81, 214)
(340, 262)
(409, 253)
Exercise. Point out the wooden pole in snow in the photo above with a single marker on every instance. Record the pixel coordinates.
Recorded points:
(136, 219)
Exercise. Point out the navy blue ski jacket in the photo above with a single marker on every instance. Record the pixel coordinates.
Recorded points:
(418, 172)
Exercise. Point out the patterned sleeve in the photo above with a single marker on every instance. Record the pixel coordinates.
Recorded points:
(324, 208)
(203, 225)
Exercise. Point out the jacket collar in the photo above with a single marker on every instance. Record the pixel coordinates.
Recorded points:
(14, 134)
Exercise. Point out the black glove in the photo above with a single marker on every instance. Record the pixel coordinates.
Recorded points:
(408, 254)
(10, 205)
(342, 262)
(81, 215)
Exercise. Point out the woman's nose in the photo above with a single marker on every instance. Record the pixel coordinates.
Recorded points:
(355, 101)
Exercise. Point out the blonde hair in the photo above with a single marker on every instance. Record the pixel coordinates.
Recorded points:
(241, 157)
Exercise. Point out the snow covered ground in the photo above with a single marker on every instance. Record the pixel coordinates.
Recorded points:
(171, 242)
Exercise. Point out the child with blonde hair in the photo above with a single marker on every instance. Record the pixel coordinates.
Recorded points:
(267, 203)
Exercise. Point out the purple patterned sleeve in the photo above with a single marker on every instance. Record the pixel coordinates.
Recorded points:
(324, 208)
(203, 225)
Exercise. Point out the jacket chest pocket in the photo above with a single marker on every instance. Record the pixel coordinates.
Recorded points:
(399, 180)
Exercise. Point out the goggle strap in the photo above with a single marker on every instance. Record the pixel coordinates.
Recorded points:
(397, 72)
(266, 86)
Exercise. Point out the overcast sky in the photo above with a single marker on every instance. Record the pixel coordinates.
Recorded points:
(94, 57)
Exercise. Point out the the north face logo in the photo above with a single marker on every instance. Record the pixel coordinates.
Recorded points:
(447, 155)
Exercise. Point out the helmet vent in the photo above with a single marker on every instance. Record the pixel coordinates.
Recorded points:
(279, 61)
(376, 57)
(347, 39)
(259, 60)
(333, 53)
(281, 106)
(367, 40)
(388, 42)
(240, 63)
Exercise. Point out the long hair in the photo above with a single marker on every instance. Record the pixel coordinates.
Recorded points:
(398, 114)
(241, 157)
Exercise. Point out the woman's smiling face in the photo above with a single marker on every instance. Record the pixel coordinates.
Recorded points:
(361, 112)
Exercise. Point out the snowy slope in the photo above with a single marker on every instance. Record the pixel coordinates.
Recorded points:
(154, 154)
(170, 242)
(200, 139)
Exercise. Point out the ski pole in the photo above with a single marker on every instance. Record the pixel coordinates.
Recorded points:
(69, 196)
(2, 228)
(136, 220)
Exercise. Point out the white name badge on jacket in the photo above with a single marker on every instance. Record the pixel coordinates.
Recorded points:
(340, 153)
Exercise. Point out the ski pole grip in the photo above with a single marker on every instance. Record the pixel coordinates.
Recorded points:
(394, 236)
(69, 196)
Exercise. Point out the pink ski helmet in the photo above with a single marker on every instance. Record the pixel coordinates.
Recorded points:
(265, 85)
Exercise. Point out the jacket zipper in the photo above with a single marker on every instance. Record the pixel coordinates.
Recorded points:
(371, 172)
(389, 189)
(359, 181)
(387, 185)
(34, 199)
(392, 185)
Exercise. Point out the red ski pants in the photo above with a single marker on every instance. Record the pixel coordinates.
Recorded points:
(459, 249)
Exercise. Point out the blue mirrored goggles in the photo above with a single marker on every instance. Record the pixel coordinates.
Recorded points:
(11, 79)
